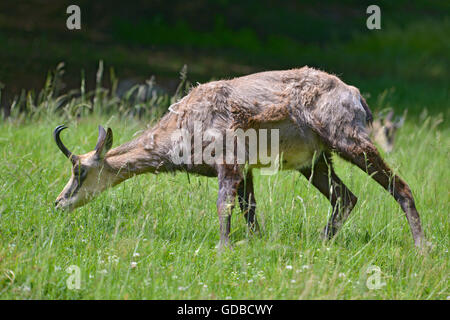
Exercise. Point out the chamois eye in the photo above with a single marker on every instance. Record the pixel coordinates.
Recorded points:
(78, 172)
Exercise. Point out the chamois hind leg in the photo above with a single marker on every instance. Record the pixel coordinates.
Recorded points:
(247, 201)
(230, 177)
(324, 178)
(360, 151)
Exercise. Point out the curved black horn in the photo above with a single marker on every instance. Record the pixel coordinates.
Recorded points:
(61, 145)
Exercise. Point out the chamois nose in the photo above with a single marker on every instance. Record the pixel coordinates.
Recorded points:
(56, 203)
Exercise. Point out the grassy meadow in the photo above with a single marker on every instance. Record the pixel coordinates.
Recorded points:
(155, 236)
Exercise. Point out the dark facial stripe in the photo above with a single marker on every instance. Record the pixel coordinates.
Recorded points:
(80, 175)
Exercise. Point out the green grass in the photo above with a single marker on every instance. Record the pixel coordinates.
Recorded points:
(169, 227)
(167, 224)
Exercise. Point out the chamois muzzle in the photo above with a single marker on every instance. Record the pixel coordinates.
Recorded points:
(72, 157)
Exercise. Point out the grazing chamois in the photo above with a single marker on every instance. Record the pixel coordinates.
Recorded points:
(384, 130)
(314, 112)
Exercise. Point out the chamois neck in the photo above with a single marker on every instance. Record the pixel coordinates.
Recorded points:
(141, 155)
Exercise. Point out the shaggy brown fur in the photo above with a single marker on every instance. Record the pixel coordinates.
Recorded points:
(316, 113)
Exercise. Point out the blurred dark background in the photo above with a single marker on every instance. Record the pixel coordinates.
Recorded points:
(226, 38)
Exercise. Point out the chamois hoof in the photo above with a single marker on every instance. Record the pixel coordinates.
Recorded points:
(223, 247)
(424, 246)
(327, 234)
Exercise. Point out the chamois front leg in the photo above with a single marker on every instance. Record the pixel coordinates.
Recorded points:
(230, 178)
(247, 202)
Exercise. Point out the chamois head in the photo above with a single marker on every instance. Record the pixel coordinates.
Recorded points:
(90, 173)
(384, 130)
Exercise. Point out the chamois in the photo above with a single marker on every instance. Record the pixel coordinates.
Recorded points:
(316, 114)
(384, 130)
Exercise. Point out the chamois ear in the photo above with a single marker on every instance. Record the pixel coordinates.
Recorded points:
(104, 142)
(389, 116)
(399, 123)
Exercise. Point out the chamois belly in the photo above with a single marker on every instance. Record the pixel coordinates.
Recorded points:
(296, 146)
